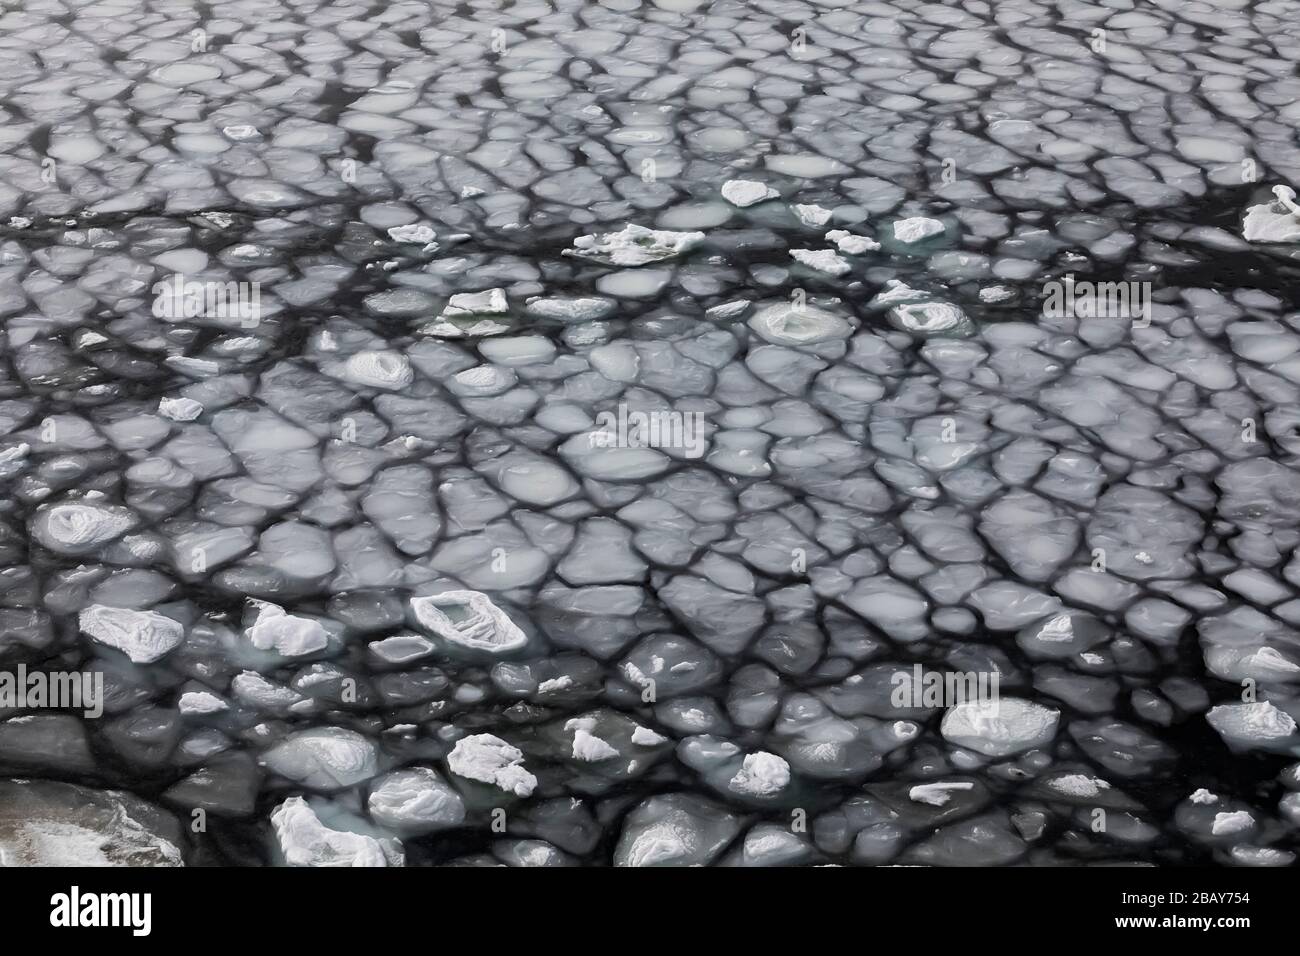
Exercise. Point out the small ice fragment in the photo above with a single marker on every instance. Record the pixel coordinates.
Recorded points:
(645, 737)
(587, 746)
(201, 702)
(555, 684)
(937, 794)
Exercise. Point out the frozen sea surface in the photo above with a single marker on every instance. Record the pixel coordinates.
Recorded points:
(551, 433)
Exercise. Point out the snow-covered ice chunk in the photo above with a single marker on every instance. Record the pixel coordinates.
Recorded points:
(1230, 822)
(823, 260)
(143, 636)
(1260, 724)
(746, 192)
(179, 409)
(917, 229)
(468, 304)
(999, 728)
(468, 619)
(306, 841)
(286, 634)
(489, 759)
(851, 244)
(201, 702)
(811, 215)
(1278, 221)
(761, 774)
(634, 245)
(468, 328)
(571, 310)
(417, 233)
(645, 737)
(586, 745)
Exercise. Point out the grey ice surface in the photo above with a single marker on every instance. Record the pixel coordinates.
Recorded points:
(373, 573)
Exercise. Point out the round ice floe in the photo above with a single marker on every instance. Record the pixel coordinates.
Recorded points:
(1001, 727)
(598, 454)
(491, 760)
(380, 368)
(785, 323)
(634, 245)
(761, 774)
(78, 527)
(325, 758)
(416, 800)
(143, 636)
(468, 619)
